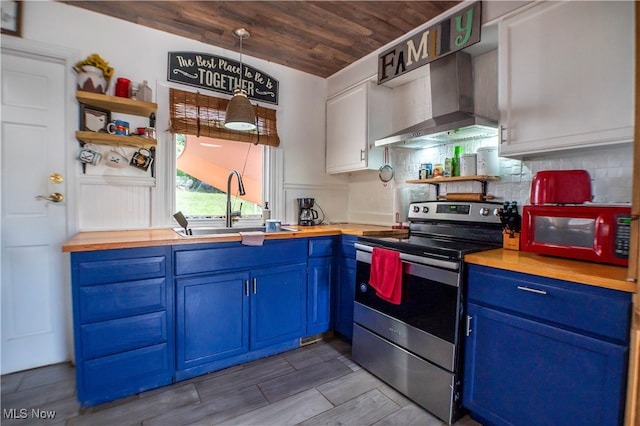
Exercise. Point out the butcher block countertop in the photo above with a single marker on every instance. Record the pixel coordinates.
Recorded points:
(106, 240)
(607, 276)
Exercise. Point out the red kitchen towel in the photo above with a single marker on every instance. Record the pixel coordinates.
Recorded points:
(386, 274)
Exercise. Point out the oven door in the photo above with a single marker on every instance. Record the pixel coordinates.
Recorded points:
(426, 322)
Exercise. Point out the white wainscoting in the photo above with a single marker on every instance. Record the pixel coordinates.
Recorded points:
(108, 203)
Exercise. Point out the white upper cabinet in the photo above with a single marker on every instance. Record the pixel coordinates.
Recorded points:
(566, 77)
(355, 119)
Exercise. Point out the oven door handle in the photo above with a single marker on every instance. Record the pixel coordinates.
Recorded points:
(411, 258)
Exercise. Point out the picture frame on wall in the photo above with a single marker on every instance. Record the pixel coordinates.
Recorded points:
(11, 12)
(93, 119)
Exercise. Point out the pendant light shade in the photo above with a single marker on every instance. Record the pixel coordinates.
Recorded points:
(240, 114)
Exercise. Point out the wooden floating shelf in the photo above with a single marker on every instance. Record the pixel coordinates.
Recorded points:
(115, 140)
(117, 104)
(438, 180)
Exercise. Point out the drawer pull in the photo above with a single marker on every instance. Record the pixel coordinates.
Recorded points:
(531, 290)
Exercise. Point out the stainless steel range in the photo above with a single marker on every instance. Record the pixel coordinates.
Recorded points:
(416, 346)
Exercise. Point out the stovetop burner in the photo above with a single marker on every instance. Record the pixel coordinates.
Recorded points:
(430, 246)
(446, 230)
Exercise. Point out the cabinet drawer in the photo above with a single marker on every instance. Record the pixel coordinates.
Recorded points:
(104, 267)
(233, 256)
(102, 302)
(110, 337)
(127, 373)
(319, 247)
(591, 309)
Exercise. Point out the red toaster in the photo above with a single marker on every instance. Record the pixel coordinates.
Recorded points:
(561, 187)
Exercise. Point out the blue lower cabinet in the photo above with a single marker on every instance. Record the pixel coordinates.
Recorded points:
(123, 322)
(319, 283)
(529, 363)
(211, 318)
(147, 317)
(345, 287)
(223, 319)
(278, 305)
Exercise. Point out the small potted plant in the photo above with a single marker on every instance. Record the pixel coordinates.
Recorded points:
(93, 74)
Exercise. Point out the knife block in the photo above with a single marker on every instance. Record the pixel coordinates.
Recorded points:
(510, 241)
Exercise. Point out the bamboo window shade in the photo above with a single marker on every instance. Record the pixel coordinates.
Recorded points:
(201, 115)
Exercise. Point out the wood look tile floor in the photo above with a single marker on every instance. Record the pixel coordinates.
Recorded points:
(317, 384)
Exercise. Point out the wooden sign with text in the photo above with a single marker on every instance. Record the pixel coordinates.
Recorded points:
(454, 33)
(221, 75)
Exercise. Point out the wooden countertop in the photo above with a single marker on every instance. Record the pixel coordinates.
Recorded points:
(608, 276)
(105, 240)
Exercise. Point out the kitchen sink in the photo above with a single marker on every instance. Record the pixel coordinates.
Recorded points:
(217, 231)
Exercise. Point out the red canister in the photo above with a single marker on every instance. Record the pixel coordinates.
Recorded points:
(122, 87)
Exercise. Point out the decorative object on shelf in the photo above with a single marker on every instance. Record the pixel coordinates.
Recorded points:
(487, 161)
(116, 159)
(11, 17)
(240, 114)
(145, 93)
(94, 119)
(142, 159)
(468, 164)
(455, 161)
(123, 87)
(89, 156)
(426, 171)
(118, 127)
(93, 74)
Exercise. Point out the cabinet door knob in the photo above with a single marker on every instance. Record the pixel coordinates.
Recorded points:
(255, 285)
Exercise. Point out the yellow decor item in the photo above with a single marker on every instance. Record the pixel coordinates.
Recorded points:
(93, 74)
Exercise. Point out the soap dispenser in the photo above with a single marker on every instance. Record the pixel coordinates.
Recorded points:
(266, 213)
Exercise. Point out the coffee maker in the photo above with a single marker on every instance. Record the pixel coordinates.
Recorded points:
(307, 215)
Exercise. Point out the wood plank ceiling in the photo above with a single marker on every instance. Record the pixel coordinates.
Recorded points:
(317, 37)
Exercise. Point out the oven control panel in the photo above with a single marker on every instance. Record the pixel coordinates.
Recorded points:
(460, 211)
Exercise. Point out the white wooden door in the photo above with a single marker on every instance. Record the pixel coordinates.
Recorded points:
(34, 301)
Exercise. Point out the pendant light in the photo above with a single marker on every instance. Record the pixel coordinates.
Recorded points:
(240, 114)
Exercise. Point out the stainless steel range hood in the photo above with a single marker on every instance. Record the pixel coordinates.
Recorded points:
(452, 108)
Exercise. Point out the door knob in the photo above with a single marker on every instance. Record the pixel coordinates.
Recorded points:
(56, 197)
(56, 178)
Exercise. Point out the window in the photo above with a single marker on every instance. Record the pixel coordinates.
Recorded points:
(207, 152)
(202, 170)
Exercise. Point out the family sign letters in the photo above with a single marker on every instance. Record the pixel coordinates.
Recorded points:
(454, 33)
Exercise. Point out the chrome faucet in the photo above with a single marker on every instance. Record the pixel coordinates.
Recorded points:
(240, 191)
